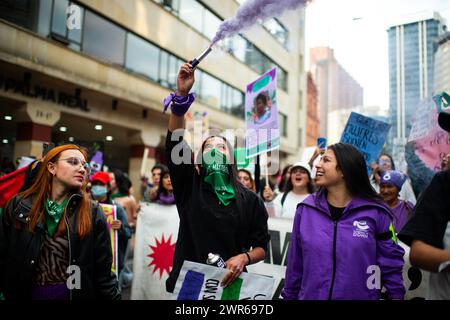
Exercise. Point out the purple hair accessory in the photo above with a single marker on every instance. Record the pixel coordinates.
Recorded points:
(393, 177)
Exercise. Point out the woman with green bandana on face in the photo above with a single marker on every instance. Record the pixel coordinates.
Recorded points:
(54, 241)
(217, 214)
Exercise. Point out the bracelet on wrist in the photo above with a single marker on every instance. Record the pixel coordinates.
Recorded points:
(248, 257)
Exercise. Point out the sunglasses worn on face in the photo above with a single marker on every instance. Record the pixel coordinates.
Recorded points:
(75, 162)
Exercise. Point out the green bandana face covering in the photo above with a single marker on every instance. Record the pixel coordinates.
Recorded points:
(217, 175)
(53, 213)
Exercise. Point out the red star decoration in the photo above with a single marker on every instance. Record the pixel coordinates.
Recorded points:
(162, 255)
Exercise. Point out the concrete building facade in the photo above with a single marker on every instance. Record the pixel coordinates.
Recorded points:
(96, 72)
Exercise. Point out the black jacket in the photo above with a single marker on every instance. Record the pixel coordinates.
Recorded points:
(20, 250)
(206, 226)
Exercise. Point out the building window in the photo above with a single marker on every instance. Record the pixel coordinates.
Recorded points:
(192, 12)
(59, 17)
(142, 57)
(45, 11)
(169, 5)
(211, 24)
(174, 65)
(210, 91)
(238, 104)
(103, 39)
(283, 125)
(52, 21)
(276, 29)
(23, 13)
(163, 68)
(199, 17)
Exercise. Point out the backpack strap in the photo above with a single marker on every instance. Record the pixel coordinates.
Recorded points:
(283, 198)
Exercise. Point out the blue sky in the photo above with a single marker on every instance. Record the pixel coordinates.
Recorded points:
(361, 44)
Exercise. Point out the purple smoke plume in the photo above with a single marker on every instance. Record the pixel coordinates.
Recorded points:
(251, 11)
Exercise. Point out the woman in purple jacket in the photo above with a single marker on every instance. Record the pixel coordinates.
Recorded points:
(343, 242)
(391, 183)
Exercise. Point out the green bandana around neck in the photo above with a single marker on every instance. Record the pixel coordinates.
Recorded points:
(53, 213)
(217, 175)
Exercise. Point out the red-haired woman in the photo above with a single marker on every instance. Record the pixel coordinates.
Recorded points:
(54, 242)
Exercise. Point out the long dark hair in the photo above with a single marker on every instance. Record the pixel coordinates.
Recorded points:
(250, 177)
(353, 166)
(122, 182)
(232, 167)
(389, 156)
(161, 189)
(289, 185)
(283, 183)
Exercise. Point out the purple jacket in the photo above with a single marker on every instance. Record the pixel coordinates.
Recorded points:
(402, 212)
(331, 260)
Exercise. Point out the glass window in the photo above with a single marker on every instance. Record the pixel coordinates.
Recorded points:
(45, 11)
(239, 47)
(172, 72)
(75, 34)
(238, 103)
(281, 78)
(225, 102)
(142, 57)
(59, 17)
(103, 39)
(192, 13)
(210, 90)
(277, 30)
(254, 58)
(163, 64)
(211, 24)
(75, 46)
(283, 125)
(198, 80)
(20, 12)
(170, 5)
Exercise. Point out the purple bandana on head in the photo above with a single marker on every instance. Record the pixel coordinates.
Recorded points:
(393, 177)
(180, 105)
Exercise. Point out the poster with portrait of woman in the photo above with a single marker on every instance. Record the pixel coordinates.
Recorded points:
(261, 115)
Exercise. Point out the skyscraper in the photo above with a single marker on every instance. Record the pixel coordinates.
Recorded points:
(442, 64)
(411, 69)
(337, 89)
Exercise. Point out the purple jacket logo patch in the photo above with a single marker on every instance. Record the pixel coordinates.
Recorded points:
(361, 229)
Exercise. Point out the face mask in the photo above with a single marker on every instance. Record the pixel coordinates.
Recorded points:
(99, 192)
(217, 175)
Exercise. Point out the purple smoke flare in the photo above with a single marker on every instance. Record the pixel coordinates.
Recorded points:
(251, 11)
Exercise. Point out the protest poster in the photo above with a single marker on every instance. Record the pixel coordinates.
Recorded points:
(367, 135)
(110, 212)
(421, 121)
(426, 147)
(261, 115)
(280, 230)
(199, 281)
(156, 235)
